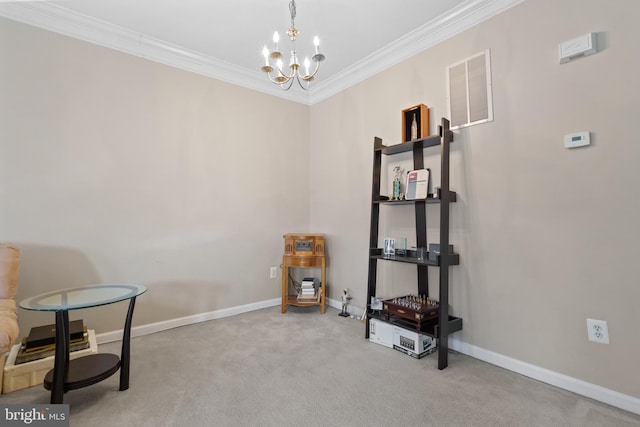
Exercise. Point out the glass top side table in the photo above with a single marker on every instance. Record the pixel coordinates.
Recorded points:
(84, 297)
(87, 370)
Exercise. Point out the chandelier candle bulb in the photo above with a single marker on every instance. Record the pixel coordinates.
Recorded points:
(265, 52)
(316, 43)
(276, 39)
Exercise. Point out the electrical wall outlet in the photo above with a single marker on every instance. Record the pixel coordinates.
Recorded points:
(273, 273)
(597, 331)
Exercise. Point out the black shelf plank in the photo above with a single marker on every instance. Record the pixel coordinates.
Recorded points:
(453, 197)
(429, 327)
(86, 370)
(430, 141)
(410, 258)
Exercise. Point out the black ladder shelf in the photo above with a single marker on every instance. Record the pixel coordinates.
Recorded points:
(444, 324)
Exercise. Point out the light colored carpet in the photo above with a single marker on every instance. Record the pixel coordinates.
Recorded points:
(307, 369)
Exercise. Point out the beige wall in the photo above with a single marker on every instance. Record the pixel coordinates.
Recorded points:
(546, 234)
(117, 169)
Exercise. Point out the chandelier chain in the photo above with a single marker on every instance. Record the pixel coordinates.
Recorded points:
(292, 11)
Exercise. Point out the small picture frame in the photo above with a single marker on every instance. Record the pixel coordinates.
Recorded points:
(389, 247)
(400, 246)
(417, 186)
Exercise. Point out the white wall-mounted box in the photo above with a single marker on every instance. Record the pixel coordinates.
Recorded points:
(578, 47)
(579, 139)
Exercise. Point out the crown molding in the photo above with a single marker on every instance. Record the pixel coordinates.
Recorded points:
(465, 16)
(55, 18)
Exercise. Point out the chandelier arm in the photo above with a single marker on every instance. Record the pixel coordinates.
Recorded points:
(304, 85)
(282, 85)
(288, 76)
(273, 80)
(315, 71)
(283, 74)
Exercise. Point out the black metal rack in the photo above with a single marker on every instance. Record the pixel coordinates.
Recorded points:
(444, 324)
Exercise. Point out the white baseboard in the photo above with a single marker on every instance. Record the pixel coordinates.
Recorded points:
(583, 388)
(333, 303)
(187, 320)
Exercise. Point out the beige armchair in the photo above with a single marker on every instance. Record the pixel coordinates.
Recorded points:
(9, 269)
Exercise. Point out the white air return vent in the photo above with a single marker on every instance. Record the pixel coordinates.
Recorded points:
(469, 83)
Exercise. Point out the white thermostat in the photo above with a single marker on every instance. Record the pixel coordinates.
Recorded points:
(574, 140)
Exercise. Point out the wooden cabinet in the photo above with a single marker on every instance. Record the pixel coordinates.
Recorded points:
(303, 251)
(443, 324)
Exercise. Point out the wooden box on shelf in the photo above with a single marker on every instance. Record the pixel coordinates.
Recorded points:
(412, 309)
(421, 114)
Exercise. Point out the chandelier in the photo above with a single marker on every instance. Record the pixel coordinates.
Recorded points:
(280, 76)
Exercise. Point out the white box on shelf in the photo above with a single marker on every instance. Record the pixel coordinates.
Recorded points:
(380, 333)
(413, 343)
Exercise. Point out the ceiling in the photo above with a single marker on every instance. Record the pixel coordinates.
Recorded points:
(224, 39)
